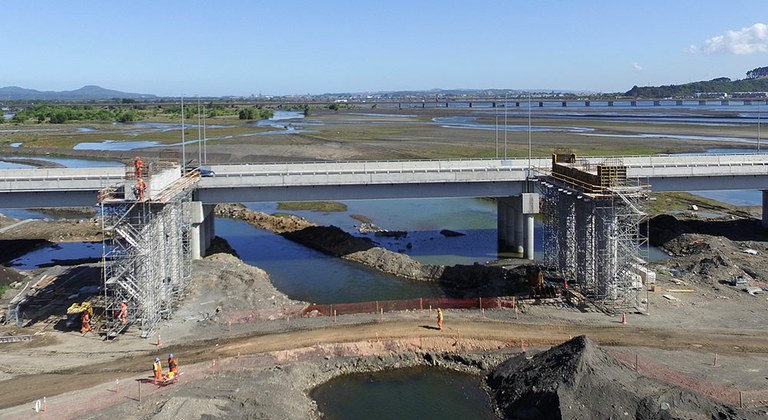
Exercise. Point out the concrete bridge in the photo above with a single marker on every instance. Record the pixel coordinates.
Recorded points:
(587, 232)
(270, 182)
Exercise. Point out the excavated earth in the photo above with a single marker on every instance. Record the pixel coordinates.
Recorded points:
(270, 356)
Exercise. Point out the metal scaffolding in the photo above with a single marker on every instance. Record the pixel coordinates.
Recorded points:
(591, 229)
(146, 255)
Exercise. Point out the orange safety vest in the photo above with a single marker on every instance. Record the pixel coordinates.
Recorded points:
(172, 365)
(157, 368)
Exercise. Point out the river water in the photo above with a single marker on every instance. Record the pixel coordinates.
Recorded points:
(411, 393)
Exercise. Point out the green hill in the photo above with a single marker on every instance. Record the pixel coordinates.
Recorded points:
(756, 81)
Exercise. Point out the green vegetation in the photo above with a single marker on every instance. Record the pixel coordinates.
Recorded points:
(664, 203)
(320, 206)
(128, 111)
(688, 90)
(305, 108)
(60, 114)
(255, 113)
(360, 218)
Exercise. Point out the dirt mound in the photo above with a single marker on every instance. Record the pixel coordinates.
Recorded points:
(276, 224)
(330, 240)
(579, 380)
(665, 228)
(230, 285)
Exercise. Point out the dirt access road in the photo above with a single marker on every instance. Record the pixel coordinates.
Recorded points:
(463, 326)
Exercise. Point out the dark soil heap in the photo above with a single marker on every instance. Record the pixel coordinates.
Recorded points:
(578, 380)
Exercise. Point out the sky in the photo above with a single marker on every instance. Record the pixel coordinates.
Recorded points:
(293, 47)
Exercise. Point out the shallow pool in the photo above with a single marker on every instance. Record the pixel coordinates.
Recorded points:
(409, 393)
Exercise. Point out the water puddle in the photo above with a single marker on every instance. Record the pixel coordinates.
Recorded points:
(410, 393)
(115, 145)
(60, 252)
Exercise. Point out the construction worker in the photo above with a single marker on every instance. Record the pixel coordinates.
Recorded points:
(123, 316)
(137, 163)
(172, 364)
(439, 319)
(157, 369)
(138, 190)
(86, 323)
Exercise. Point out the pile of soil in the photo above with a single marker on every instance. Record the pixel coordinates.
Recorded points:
(261, 220)
(578, 379)
(712, 251)
(229, 286)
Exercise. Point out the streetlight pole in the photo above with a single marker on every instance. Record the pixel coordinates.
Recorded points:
(183, 145)
(758, 126)
(529, 135)
(497, 136)
(505, 125)
(199, 136)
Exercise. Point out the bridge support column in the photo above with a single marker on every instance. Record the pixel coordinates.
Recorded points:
(201, 230)
(765, 208)
(529, 243)
(501, 219)
(505, 221)
(529, 207)
(518, 244)
(209, 226)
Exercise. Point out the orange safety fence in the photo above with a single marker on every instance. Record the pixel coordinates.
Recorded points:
(409, 304)
(724, 393)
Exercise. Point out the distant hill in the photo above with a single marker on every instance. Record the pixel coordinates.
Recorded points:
(756, 81)
(85, 93)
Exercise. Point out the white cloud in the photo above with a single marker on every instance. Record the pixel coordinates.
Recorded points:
(637, 66)
(748, 40)
(692, 49)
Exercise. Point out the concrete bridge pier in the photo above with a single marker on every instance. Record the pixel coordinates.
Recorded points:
(765, 208)
(515, 222)
(201, 230)
(506, 221)
(519, 238)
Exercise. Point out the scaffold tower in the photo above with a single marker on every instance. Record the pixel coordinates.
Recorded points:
(146, 255)
(592, 217)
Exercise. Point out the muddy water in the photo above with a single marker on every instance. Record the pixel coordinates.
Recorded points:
(58, 252)
(423, 219)
(412, 393)
(305, 274)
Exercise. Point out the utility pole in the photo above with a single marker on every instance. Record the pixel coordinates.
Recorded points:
(183, 145)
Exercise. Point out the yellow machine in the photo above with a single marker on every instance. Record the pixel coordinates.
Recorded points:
(79, 308)
(75, 313)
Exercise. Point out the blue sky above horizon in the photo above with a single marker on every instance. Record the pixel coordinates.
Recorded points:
(206, 48)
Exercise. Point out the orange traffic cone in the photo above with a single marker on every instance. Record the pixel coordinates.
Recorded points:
(624, 318)
(159, 341)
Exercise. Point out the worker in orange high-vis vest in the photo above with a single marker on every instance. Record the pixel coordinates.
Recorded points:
(86, 323)
(157, 369)
(123, 313)
(439, 319)
(172, 364)
(137, 163)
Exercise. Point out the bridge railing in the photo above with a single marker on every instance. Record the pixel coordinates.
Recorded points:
(58, 178)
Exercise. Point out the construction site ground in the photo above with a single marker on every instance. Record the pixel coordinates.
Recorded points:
(245, 352)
